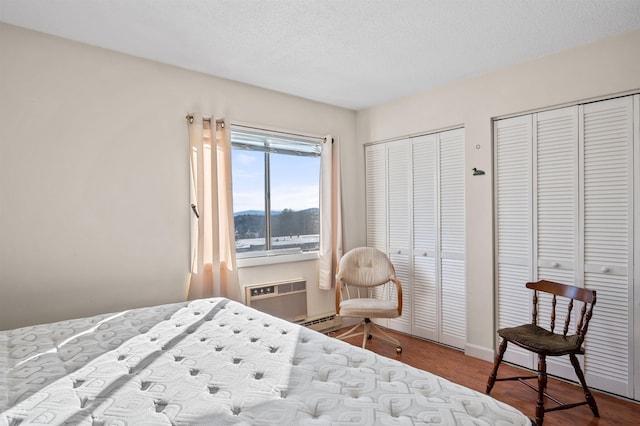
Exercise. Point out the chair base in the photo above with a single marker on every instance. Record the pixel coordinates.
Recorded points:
(368, 328)
(542, 385)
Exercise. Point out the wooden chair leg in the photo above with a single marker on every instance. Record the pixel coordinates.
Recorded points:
(542, 386)
(587, 393)
(494, 374)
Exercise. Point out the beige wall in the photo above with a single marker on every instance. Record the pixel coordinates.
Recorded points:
(93, 167)
(606, 68)
(94, 212)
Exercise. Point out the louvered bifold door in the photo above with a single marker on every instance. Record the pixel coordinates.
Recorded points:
(608, 242)
(556, 200)
(376, 196)
(376, 201)
(399, 222)
(452, 225)
(513, 188)
(426, 291)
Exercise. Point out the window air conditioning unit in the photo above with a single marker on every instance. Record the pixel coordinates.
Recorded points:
(286, 300)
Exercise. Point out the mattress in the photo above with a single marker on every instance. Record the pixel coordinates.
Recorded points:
(218, 362)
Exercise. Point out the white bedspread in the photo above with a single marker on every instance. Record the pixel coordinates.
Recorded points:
(217, 362)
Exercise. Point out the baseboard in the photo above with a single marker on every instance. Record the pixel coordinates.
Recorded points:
(479, 352)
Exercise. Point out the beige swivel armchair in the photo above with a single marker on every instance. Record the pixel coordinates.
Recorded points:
(362, 276)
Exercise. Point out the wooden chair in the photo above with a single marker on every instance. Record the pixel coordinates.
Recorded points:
(548, 343)
(365, 269)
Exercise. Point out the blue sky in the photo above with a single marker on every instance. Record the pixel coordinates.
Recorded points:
(294, 181)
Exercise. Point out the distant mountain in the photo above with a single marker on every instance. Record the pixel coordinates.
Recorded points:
(249, 212)
(250, 224)
(261, 212)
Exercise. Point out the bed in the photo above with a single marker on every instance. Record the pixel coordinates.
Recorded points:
(218, 362)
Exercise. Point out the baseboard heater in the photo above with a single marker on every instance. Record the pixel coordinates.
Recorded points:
(286, 300)
(323, 323)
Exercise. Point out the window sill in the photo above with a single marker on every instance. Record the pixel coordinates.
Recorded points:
(275, 259)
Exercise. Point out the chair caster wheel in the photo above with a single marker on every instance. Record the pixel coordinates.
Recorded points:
(399, 349)
(369, 337)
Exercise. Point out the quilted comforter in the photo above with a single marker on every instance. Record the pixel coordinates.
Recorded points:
(218, 362)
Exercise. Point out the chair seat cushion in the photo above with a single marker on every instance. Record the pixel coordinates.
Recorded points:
(368, 308)
(539, 340)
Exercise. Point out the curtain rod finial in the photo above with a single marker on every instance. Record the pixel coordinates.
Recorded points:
(189, 118)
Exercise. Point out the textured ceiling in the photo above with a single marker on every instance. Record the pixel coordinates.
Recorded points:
(350, 53)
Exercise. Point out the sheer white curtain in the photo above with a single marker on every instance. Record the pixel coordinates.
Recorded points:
(213, 256)
(330, 213)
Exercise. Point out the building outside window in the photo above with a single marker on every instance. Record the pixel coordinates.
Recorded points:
(276, 195)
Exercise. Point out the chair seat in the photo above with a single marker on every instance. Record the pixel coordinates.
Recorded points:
(539, 340)
(368, 308)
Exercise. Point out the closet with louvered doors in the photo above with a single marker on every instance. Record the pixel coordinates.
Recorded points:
(388, 194)
(422, 186)
(564, 202)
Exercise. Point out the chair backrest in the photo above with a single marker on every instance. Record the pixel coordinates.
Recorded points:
(587, 297)
(365, 267)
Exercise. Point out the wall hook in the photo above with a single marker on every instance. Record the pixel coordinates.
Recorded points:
(477, 172)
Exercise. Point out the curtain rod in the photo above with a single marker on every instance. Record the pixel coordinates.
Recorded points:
(189, 118)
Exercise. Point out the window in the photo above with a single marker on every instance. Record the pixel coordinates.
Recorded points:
(276, 194)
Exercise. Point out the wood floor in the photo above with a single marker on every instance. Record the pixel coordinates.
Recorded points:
(472, 373)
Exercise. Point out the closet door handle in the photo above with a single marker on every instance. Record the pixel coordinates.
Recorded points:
(605, 269)
(555, 264)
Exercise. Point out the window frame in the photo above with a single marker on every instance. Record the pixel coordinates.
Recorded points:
(305, 141)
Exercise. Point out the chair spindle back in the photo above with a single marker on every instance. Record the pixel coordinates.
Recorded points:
(587, 297)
